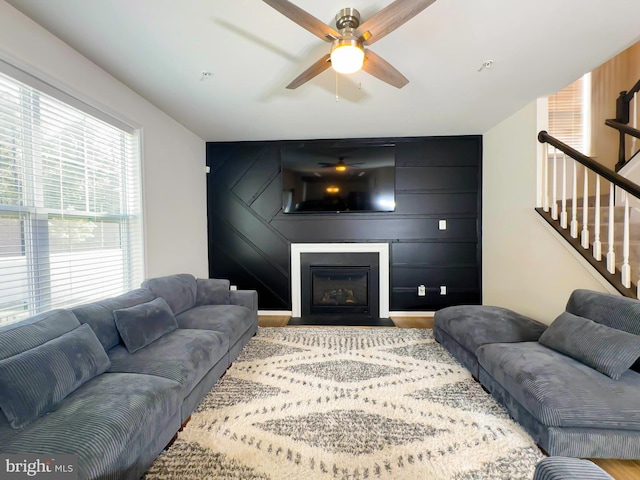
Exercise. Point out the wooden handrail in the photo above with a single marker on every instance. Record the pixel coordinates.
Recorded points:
(607, 173)
(622, 127)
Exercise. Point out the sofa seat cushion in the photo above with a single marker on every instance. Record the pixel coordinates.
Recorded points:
(231, 320)
(101, 422)
(560, 391)
(184, 356)
(475, 325)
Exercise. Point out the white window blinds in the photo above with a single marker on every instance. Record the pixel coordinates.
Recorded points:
(569, 115)
(70, 214)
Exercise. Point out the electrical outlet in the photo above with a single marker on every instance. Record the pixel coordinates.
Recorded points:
(233, 287)
(422, 290)
(442, 224)
(443, 290)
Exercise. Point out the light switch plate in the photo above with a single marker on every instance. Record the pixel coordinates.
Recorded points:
(442, 224)
(443, 290)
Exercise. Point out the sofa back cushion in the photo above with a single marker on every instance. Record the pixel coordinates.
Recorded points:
(34, 331)
(611, 310)
(608, 350)
(36, 380)
(212, 291)
(179, 291)
(143, 324)
(99, 315)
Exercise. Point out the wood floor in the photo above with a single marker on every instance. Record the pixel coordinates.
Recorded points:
(618, 469)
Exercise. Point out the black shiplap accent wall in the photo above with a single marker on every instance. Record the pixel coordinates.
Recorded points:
(437, 178)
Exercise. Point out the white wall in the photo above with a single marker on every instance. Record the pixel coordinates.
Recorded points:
(525, 267)
(173, 157)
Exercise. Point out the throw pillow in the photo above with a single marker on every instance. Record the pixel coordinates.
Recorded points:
(35, 381)
(212, 291)
(606, 349)
(145, 323)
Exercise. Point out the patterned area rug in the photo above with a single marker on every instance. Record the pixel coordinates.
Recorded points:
(348, 403)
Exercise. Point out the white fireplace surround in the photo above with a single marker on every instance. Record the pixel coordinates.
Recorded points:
(382, 249)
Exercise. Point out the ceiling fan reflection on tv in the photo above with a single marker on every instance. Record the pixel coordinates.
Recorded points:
(348, 53)
(340, 165)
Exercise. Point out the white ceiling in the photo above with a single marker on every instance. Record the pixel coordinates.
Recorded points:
(160, 48)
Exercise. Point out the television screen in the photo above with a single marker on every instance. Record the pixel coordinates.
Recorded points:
(321, 178)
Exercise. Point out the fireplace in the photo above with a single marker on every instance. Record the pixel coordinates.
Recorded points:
(339, 288)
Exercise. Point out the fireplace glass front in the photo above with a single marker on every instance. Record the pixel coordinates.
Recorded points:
(339, 290)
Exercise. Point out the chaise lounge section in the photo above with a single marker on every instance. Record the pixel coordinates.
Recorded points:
(572, 388)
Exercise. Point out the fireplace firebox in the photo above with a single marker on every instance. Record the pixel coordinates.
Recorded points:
(340, 289)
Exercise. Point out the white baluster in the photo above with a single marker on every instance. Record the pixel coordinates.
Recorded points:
(554, 175)
(611, 255)
(584, 238)
(625, 270)
(634, 140)
(563, 210)
(597, 244)
(574, 202)
(545, 178)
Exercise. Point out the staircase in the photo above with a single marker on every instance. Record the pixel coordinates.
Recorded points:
(596, 209)
(607, 232)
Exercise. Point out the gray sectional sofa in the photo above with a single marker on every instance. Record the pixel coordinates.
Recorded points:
(113, 381)
(573, 386)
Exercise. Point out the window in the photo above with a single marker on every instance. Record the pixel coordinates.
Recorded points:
(70, 216)
(570, 113)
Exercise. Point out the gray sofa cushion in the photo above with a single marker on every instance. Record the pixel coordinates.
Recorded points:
(566, 468)
(608, 350)
(20, 337)
(35, 381)
(109, 422)
(100, 314)
(178, 290)
(475, 325)
(231, 320)
(212, 291)
(560, 391)
(611, 310)
(145, 323)
(183, 356)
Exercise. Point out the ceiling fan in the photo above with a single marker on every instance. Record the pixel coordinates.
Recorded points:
(348, 53)
(340, 165)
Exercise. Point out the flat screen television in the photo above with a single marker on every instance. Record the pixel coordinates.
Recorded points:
(320, 177)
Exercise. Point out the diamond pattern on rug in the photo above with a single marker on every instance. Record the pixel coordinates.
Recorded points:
(416, 413)
(190, 460)
(345, 370)
(349, 431)
(231, 391)
(466, 394)
(432, 352)
(266, 350)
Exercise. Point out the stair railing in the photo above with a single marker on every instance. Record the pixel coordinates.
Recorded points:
(579, 231)
(626, 123)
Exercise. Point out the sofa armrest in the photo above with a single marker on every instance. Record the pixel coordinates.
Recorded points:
(244, 298)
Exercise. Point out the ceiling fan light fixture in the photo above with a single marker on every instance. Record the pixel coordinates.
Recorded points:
(347, 55)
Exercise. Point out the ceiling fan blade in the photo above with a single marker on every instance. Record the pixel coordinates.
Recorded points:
(390, 18)
(377, 66)
(304, 19)
(314, 70)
